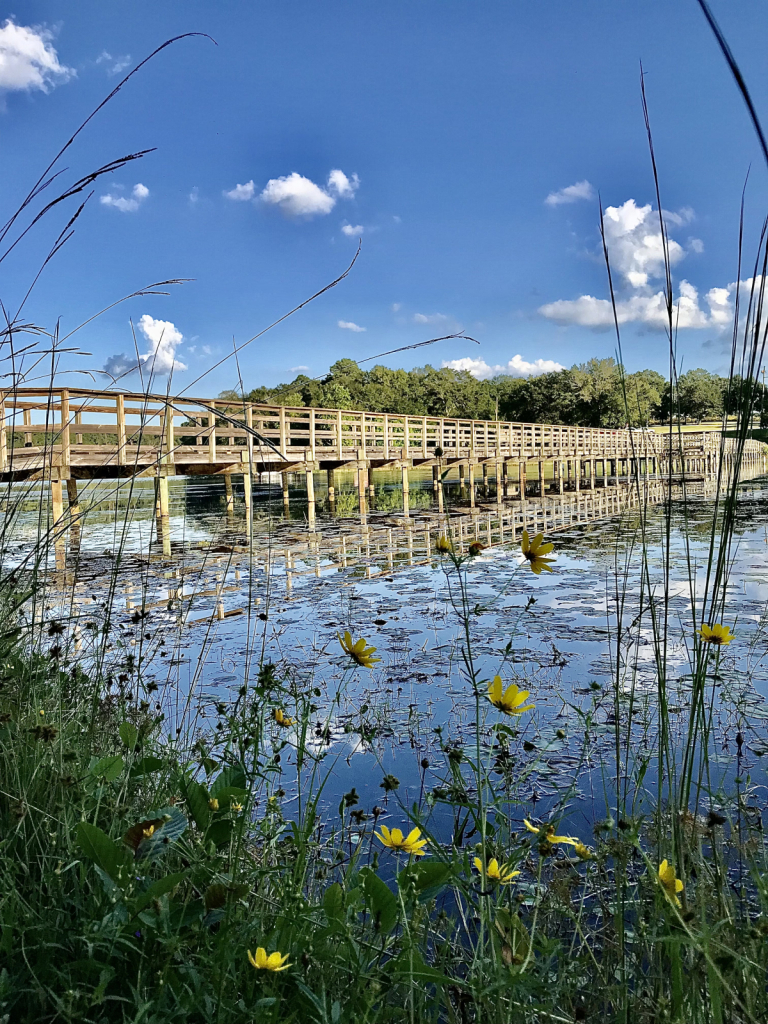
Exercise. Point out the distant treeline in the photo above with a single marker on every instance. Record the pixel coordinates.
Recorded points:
(591, 394)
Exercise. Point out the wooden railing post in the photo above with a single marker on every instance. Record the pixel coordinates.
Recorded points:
(339, 440)
(283, 432)
(212, 433)
(65, 447)
(169, 437)
(312, 414)
(120, 409)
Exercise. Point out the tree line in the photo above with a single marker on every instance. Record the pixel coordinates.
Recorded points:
(596, 393)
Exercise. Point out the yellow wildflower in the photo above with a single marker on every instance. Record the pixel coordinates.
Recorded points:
(582, 851)
(511, 701)
(359, 651)
(670, 883)
(213, 803)
(272, 962)
(534, 551)
(565, 840)
(281, 718)
(236, 807)
(148, 831)
(549, 835)
(494, 872)
(717, 634)
(443, 545)
(412, 843)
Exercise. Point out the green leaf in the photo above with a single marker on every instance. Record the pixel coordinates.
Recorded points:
(220, 832)
(380, 900)
(173, 827)
(197, 798)
(109, 855)
(146, 766)
(232, 775)
(427, 878)
(333, 904)
(108, 768)
(129, 734)
(157, 889)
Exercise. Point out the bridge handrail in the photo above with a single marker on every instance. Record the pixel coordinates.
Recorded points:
(172, 425)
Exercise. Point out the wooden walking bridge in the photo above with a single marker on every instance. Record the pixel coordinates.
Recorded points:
(64, 435)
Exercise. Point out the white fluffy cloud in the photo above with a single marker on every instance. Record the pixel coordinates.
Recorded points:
(347, 325)
(343, 186)
(516, 367)
(352, 230)
(127, 204)
(160, 358)
(636, 251)
(27, 59)
(298, 196)
(571, 194)
(241, 193)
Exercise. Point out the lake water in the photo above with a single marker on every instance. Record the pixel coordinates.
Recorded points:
(222, 604)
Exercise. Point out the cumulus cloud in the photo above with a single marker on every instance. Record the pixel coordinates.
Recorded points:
(343, 186)
(347, 325)
(126, 204)
(299, 369)
(432, 318)
(352, 230)
(298, 196)
(160, 358)
(571, 194)
(114, 65)
(636, 250)
(241, 193)
(516, 367)
(27, 59)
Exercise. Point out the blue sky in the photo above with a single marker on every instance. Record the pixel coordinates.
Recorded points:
(449, 132)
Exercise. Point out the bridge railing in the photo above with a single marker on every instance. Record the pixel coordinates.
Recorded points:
(66, 425)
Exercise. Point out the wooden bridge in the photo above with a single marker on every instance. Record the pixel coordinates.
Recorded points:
(65, 435)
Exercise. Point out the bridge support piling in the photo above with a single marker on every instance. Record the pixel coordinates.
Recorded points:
(542, 484)
(577, 474)
(362, 487)
(505, 478)
(485, 479)
(521, 477)
(73, 498)
(331, 477)
(286, 494)
(247, 494)
(558, 471)
(462, 476)
(435, 478)
(162, 514)
(592, 469)
(230, 495)
(471, 485)
(406, 490)
(310, 495)
(57, 502)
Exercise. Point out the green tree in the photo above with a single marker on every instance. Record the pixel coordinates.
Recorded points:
(699, 395)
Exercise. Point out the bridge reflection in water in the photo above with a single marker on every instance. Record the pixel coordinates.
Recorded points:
(229, 574)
